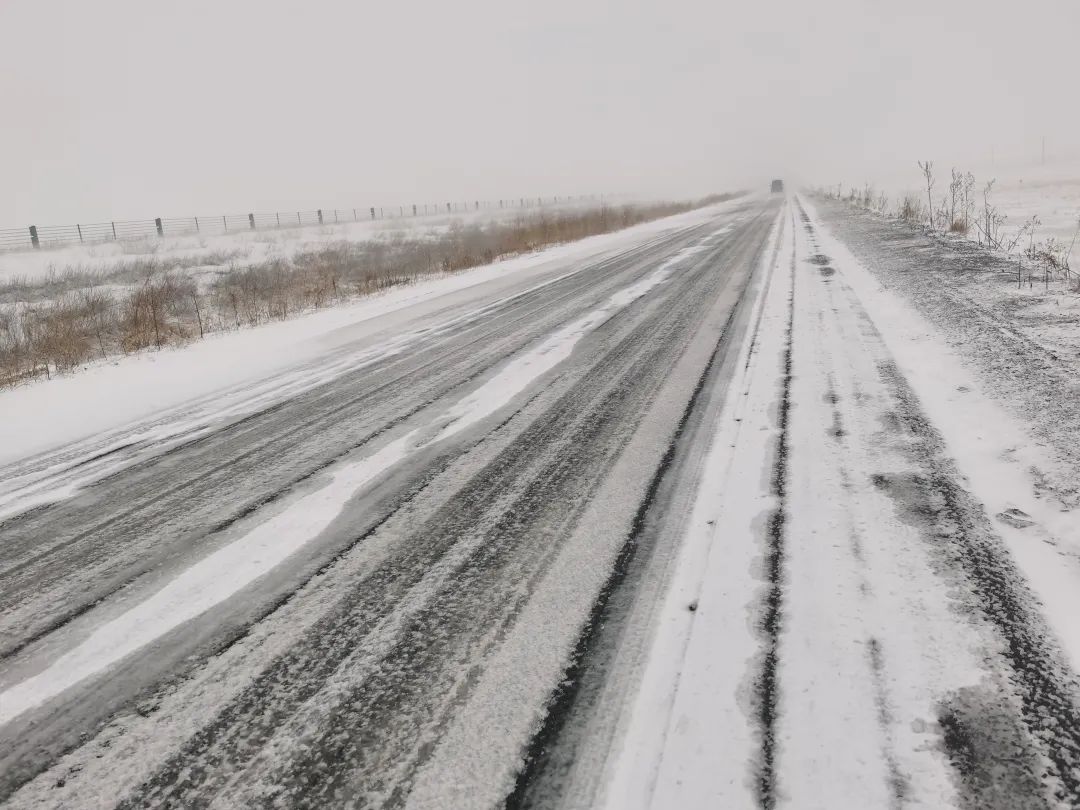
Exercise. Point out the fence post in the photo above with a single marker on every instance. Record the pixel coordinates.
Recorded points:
(224, 223)
(373, 212)
(477, 204)
(354, 215)
(80, 231)
(113, 231)
(320, 216)
(157, 224)
(298, 218)
(414, 209)
(196, 224)
(251, 221)
(335, 216)
(33, 236)
(448, 208)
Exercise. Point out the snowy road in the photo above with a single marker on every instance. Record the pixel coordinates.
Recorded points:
(681, 527)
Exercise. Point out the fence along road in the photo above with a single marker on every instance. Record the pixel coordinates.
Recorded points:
(48, 236)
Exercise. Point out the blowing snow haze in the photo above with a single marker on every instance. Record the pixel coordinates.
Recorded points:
(539, 406)
(122, 109)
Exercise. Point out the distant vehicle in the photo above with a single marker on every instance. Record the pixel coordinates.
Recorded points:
(777, 186)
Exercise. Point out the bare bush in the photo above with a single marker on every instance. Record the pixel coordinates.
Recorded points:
(991, 219)
(956, 213)
(1072, 244)
(881, 205)
(927, 169)
(911, 209)
(956, 191)
(1027, 230)
(1053, 254)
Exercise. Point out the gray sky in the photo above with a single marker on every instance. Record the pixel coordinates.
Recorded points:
(122, 109)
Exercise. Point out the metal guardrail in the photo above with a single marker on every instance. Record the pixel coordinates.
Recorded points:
(53, 236)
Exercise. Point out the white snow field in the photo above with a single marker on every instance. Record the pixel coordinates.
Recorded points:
(204, 253)
(1050, 192)
(1021, 190)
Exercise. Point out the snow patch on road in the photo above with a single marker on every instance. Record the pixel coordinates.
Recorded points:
(521, 371)
(208, 582)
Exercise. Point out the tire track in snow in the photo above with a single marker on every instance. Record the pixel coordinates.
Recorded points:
(377, 697)
(840, 354)
(533, 785)
(1014, 740)
(325, 411)
(238, 563)
(1048, 691)
(766, 687)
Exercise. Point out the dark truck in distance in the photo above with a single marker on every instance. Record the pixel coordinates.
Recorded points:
(777, 186)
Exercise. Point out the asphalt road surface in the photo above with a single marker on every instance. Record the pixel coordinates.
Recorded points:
(335, 678)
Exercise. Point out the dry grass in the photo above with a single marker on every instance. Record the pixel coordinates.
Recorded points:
(61, 322)
(56, 283)
(912, 209)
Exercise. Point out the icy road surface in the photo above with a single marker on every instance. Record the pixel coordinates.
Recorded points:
(688, 525)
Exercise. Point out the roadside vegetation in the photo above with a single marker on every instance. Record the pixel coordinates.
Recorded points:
(63, 321)
(960, 206)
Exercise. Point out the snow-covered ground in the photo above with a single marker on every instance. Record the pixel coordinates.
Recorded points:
(1051, 192)
(1022, 334)
(1022, 190)
(863, 492)
(202, 253)
(1048, 191)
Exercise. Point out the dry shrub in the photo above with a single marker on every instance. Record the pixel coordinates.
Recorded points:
(65, 320)
(56, 283)
(912, 209)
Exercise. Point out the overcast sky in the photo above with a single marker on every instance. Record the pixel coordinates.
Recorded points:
(124, 109)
